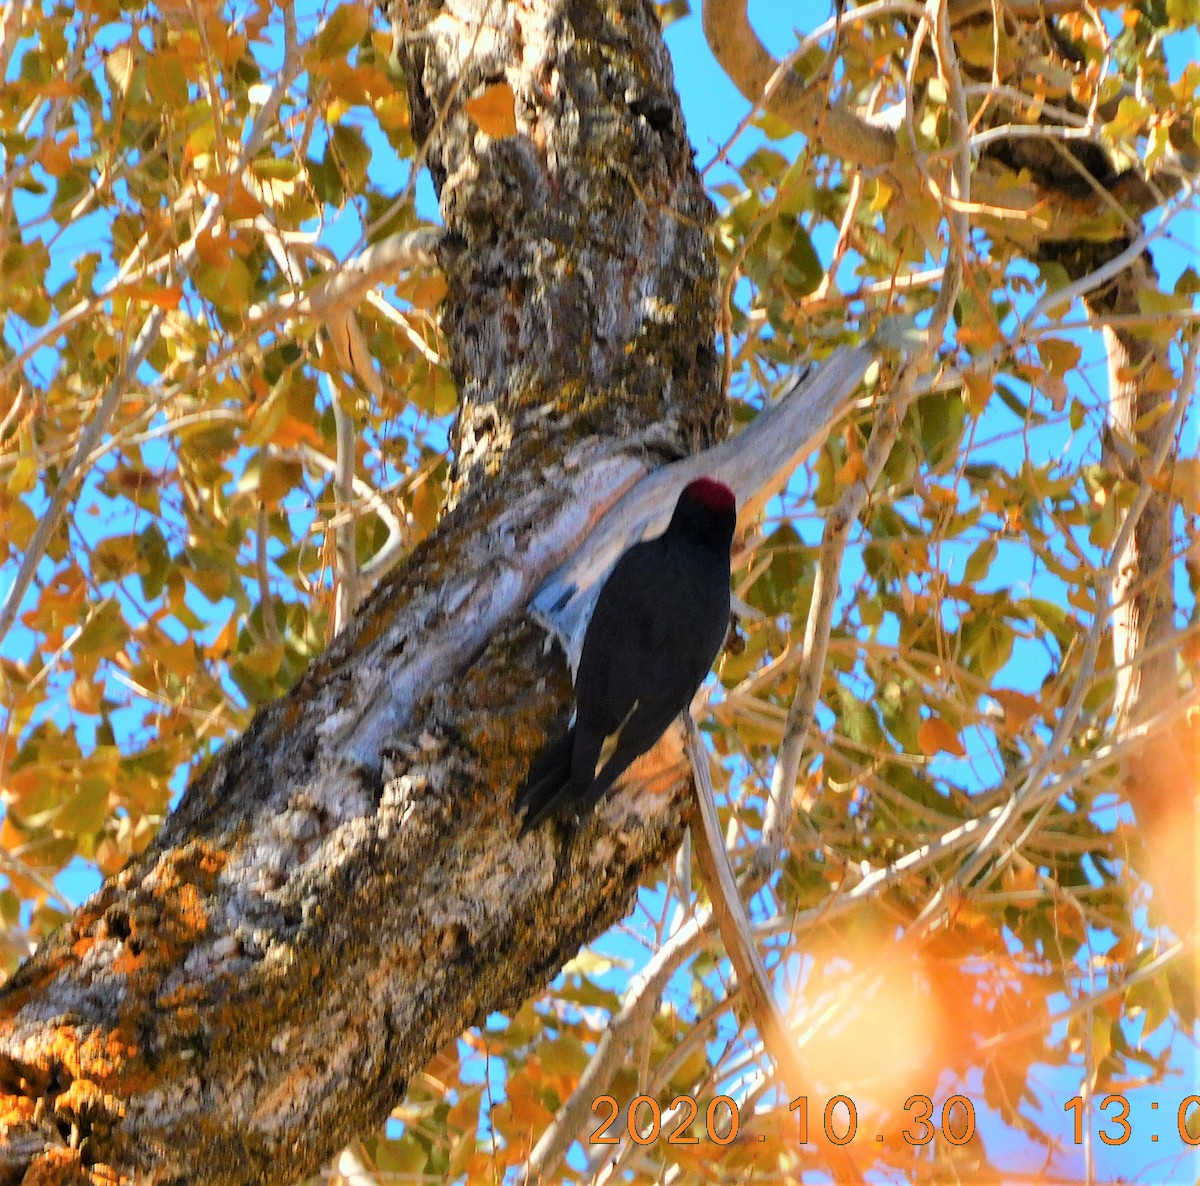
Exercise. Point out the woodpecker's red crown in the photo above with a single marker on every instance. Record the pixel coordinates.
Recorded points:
(710, 493)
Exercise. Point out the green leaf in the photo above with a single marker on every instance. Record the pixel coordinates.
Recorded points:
(790, 562)
(156, 561)
(980, 561)
(104, 633)
(350, 151)
(858, 720)
(86, 811)
(985, 643)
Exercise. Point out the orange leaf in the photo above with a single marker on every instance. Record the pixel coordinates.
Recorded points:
(979, 385)
(935, 736)
(1018, 707)
(164, 297)
(495, 110)
(855, 467)
(84, 697)
(291, 431)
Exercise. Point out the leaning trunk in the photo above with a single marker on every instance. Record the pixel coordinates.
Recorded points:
(341, 892)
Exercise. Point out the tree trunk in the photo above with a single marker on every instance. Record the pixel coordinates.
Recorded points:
(1160, 762)
(1161, 766)
(341, 892)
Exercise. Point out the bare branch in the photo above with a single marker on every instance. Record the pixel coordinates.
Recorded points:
(763, 80)
(738, 937)
(638, 1003)
(1031, 789)
(347, 576)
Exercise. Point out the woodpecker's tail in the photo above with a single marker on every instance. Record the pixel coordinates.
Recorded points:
(542, 793)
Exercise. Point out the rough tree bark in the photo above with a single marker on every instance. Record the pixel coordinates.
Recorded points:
(341, 891)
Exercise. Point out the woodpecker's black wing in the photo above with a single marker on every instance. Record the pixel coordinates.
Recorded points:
(563, 771)
(660, 630)
(547, 779)
(658, 625)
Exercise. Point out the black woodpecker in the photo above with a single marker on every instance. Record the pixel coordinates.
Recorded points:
(659, 623)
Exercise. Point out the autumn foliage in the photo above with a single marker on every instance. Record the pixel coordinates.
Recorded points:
(214, 440)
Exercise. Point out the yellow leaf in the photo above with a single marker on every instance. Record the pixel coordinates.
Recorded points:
(264, 660)
(1185, 484)
(343, 30)
(979, 386)
(119, 67)
(103, 633)
(179, 658)
(212, 582)
(392, 112)
(84, 697)
(883, 195)
(423, 292)
(276, 478)
(167, 78)
(495, 110)
(1059, 355)
(56, 158)
(935, 736)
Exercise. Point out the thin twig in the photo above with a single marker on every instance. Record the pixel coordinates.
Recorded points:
(346, 578)
(738, 937)
(637, 1004)
(88, 439)
(265, 600)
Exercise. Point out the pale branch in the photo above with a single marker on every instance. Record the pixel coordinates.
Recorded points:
(1111, 268)
(180, 258)
(737, 932)
(344, 284)
(755, 464)
(637, 1004)
(481, 598)
(378, 263)
(1116, 987)
(347, 577)
(263, 572)
(10, 32)
(1025, 207)
(737, 935)
(89, 438)
(365, 496)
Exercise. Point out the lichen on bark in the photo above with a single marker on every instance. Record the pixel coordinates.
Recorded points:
(582, 284)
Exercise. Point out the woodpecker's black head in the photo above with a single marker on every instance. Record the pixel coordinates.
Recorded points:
(706, 512)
